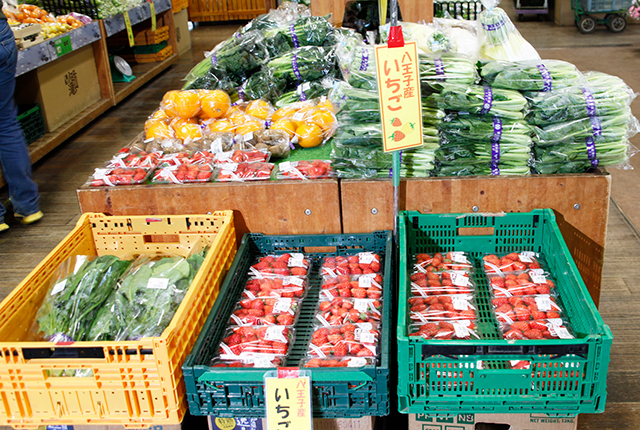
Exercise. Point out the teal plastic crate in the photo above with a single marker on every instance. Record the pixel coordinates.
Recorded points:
(31, 122)
(565, 378)
(336, 392)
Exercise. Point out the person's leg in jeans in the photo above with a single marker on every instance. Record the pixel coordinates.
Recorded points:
(14, 154)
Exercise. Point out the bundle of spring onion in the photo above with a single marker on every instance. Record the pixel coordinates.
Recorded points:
(477, 99)
(531, 75)
(306, 91)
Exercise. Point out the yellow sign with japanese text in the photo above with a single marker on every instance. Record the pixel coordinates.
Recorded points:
(288, 403)
(399, 92)
(127, 25)
(154, 24)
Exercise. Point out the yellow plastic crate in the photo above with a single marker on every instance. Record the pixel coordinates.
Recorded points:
(134, 383)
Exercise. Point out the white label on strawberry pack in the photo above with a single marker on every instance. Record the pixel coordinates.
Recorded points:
(286, 166)
(228, 167)
(293, 280)
(275, 333)
(459, 257)
(366, 257)
(458, 278)
(263, 362)
(537, 276)
(364, 281)
(158, 283)
(322, 320)
(223, 157)
(460, 302)
(361, 305)
(526, 256)
(554, 322)
(365, 326)
(367, 337)
(460, 329)
(562, 333)
(296, 260)
(357, 362)
(282, 306)
(58, 287)
(544, 302)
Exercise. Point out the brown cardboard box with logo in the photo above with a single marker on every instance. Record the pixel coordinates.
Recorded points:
(63, 88)
(365, 423)
(470, 421)
(183, 37)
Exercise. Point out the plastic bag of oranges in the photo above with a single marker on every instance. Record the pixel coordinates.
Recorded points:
(308, 124)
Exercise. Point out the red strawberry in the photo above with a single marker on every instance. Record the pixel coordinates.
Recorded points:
(533, 334)
(359, 293)
(520, 325)
(340, 349)
(284, 319)
(298, 271)
(396, 122)
(279, 348)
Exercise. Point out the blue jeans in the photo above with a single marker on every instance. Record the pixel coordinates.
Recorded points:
(14, 154)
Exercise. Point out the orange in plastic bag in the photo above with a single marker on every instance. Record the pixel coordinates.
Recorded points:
(157, 130)
(214, 103)
(182, 104)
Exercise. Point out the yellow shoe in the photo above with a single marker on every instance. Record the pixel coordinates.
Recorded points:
(30, 219)
(4, 227)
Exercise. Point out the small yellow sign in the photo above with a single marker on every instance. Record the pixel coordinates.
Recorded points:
(153, 15)
(288, 403)
(127, 25)
(399, 92)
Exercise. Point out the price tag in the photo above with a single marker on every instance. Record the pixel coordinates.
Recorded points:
(367, 337)
(365, 281)
(247, 137)
(366, 257)
(361, 305)
(263, 362)
(460, 302)
(63, 45)
(459, 279)
(153, 15)
(127, 25)
(58, 287)
(288, 399)
(526, 256)
(543, 302)
(357, 362)
(365, 326)
(282, 306)
(461, 330)
(223, 156)
(292, 280)
(399, 94)
(554, 322)
(216, 146)
(158, 283)
(537, 276)
(298, 116)
(562, 333)
(274, 333)
(296, 260)
(229, 167)
(286, 166)
(459, 257)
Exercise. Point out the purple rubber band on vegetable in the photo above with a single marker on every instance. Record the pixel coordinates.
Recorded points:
(546, 77)
(596, 126)
(294, 36)
(591, 151)
(439, 69)
(303, 95)
(590, 102)
(214, 60)
(495, 142)
(493, 27)
(241, 95)
(495, 170)
(294, 65)
(365, 60)
(488, 100)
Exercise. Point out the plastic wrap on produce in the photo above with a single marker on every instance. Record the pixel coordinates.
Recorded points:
(594, 128)
(446, 68)
(445, 330)
(302, 170)
(478, 99)
(555, 328)
(527, 283)
(305, 31)
(306, 91)
(531, 75)
(263, 85)
(439, 36)
(306, 63)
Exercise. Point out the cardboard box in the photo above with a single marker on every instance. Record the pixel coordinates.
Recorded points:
(365, 423)
(183, 37)
(63, 88)
(470, 421)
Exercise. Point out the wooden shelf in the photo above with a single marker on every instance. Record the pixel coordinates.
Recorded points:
(143, 73)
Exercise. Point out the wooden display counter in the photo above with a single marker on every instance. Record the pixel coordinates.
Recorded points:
(581, 204)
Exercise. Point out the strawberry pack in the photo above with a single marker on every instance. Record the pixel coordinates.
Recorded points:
(515, 262)
(554, 328)
(242, 156)
(340, 310)
(357, 340)
(527, 283)
(255, 360)
(288, 264)
(525, 308)
(240, 172)
(358, 264)
(275, 287)
(188, 158)
(442, 308)
(457, 261)
(425, 284)
(445, 330)
(338, 362)
(119, 176)
(367, 286)
(248, 342)
(129, 157)
(302, 170)
(183, 174)
(266, 311)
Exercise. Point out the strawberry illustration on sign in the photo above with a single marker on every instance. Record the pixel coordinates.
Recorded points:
(397, 136)
(396, 122)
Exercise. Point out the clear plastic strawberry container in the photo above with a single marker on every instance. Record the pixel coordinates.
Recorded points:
(515, 262)
(357, 264)
(445, 330)
(338, 362)
(367, 286)
(343, 310)
(443, 308)
(526, 308)
(527, 283)
(275, 287)
(248, 342)
(266, 311)
(449, 282)
(288, 264)
(356, 340)
(438, 262)
(554, 328)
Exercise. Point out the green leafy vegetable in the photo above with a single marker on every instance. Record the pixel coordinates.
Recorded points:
(479, 100)
(534, 75)
(307, 63)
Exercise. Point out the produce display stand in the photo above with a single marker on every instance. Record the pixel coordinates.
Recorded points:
(412, 10)
(96, 34)
(225, 10)
(580, 201)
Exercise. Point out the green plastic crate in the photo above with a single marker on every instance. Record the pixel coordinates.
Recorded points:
(337, 392)
(566, 377)
(31, 122)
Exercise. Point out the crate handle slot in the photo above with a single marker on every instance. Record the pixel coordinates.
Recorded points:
(320, 250)
(161, 238)
(476, 231)
(62, 353)
(455, 350)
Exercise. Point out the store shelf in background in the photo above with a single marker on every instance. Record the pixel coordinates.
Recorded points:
(336, 392)
(48, 51)
(583, 226)
(225, 10)
(137, 383)
(143, 73)
(136, 15)
(561, 376)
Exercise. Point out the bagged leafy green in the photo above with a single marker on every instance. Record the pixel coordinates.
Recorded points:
(601, 95)
(449, 68)
(530, 75)
(285, 14)
(594, 127)
(371, 135)
(76, 296)
(498, 37)
(306, 31)
(360, 162)
(306, 91)
(460, 129)
(263, 85)
(478, 168)
(306, 63)
(477, 99)
(599, 152)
